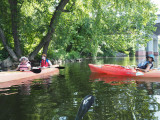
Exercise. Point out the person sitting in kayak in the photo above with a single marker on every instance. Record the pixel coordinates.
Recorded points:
(147, 65)
(24, 64)
(45, 62)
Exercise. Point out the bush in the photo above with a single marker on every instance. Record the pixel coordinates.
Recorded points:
(131, 51)
(72, 55)
(61, 54)
(57, 54)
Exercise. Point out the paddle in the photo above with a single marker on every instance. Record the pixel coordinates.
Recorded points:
(36, 70)
(84, 107)
(60, 67)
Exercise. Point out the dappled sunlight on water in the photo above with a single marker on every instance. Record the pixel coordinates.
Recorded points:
(59, 97)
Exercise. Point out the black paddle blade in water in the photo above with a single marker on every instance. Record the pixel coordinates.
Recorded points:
(36, 70)
(84, 107)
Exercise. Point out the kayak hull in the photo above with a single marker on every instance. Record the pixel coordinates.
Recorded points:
(120, 70)
(152, 74)
(13, 78)
(112, 70)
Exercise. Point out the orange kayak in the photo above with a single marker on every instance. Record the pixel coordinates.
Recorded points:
(120, 70)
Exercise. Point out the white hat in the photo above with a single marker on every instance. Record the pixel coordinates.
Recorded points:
(23, 57)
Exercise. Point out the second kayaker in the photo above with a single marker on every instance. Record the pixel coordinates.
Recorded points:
(147, 65)
(45, 62)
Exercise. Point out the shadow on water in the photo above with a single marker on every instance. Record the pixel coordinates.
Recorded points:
(59, 97)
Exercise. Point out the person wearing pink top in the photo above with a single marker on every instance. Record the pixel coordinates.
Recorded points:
(24, 64)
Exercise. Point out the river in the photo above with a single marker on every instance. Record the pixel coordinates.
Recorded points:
(59, 97)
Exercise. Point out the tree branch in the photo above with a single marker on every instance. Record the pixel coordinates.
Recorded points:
(66, 11)
(52, 26)
(10, 51)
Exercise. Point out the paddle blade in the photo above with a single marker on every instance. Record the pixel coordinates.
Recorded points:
(60, 67)
(36, 70)
(84, 107)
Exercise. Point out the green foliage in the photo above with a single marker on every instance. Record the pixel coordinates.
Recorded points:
(90, 28)
(3, 54)
(102, 32)
(57, 54)
(72, 55)
(61, 54)
(131, 51)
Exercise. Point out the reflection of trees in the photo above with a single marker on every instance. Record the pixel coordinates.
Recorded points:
(11, 105)
(122, 102)
(61, 96)
(119, 60)
(59, 99)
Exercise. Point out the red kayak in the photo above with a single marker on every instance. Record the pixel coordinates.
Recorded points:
(112, 69)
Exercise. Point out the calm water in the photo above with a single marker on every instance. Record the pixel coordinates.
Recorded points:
(59, 97)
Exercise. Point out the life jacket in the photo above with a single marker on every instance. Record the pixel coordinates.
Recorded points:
(23, 67)
(44, 63)
(143, 65)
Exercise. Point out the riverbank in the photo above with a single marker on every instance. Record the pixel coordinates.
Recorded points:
(8, 63)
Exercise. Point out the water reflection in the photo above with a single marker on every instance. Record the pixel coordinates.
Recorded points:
(111, 79)
(134, 95)
(59, 97)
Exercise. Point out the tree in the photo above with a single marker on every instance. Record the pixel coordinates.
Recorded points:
(97, 27)
(14, 19)
(87, 28)
(46, 39)
(54, 20)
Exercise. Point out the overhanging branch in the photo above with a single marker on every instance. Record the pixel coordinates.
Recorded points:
(52, 26)
(10, 51)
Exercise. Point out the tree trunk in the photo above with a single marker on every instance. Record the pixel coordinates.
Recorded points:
(14, 13)
(45, 47)
(52, 26)
(10, 51)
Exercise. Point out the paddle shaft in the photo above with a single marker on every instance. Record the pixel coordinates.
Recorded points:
(59, 67)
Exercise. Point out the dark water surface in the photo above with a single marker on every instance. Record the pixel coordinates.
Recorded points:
(59, 97)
